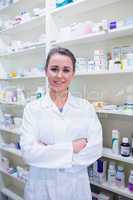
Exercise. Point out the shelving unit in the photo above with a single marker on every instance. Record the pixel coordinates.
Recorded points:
(80, 7)
(12, 131)
(23, 78)
(12, 151)
(33, 22)
(8, 192)
(33, 47)
(109, 86)
(115, 112)
(100, 36)
(102, 73)
(28, 56)
(12, 176)
(107, 153)
(121, 191)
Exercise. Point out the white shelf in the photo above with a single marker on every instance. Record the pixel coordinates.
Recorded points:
(32, 48)
(107, 152)
(115, 112)
(103, 73)
(9, 193)
(11, 103)
(80, 6)
(88, 38)
(22, 78)
(99, 36)
(121, 191)
(78, 74)
(13, 151)
(19, 4)
(12, 176)
(12, 131)
(34, 22)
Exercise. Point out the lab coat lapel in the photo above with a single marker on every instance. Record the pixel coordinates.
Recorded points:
(49, 104)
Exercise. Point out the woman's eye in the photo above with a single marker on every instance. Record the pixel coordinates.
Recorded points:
(66, 70)
(54, 69)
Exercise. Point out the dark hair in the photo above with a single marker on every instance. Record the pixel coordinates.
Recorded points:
(61, 51)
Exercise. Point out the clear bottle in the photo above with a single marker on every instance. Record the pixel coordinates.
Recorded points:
(130, 181)
(111, 173)
(120, 177)
(39, 92)
(21, 96)
(125, 147)
(115, 141)
(132, 144)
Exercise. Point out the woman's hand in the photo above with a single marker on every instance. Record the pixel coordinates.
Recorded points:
(79, 144)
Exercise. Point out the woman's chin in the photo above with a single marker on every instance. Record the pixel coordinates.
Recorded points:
(57, 89)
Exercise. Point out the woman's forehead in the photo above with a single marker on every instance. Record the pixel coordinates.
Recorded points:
(60, 59)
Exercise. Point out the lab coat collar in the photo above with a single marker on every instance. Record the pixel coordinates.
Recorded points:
(48, 103)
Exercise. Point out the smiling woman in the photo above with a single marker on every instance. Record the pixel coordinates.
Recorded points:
(61, 136)
(60, 70)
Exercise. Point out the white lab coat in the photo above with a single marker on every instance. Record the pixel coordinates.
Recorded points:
(56, 173)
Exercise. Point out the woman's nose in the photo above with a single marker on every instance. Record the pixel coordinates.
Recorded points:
(59, 74)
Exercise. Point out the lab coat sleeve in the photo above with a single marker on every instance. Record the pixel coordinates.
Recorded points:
(37, 154)
(94, 148)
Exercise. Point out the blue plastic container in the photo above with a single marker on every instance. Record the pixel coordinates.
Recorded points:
(60, 3)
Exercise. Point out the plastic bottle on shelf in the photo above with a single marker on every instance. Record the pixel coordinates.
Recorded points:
(125, 147)
(120, 177)
(115, 141)
(111, 173)
(132, 144)
(20, 96)
(40, 92)
(130, 181)
(60, 3)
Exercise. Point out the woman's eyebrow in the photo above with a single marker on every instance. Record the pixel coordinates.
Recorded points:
(54, 66)
(67, 67)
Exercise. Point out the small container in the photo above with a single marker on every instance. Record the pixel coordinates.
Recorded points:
(112, 25)
(130, 181)
(111, 173)
(125, 147)
(8, 120)
(132, 144)
(60, 3)
(115, 141)
(120, 177)
(39, 93)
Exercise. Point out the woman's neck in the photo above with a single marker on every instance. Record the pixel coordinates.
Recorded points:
(59, 98)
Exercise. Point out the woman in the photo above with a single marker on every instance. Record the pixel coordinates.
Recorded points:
(61, 136)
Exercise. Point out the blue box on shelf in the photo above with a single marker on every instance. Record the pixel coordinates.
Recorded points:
(60, 3)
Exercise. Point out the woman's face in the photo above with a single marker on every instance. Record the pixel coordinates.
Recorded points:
(59, 72)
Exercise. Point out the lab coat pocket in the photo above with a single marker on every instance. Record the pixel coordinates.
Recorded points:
(46, 132)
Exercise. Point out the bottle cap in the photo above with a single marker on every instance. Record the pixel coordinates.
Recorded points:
(120, 168)
(115, 131)
(125, 140)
